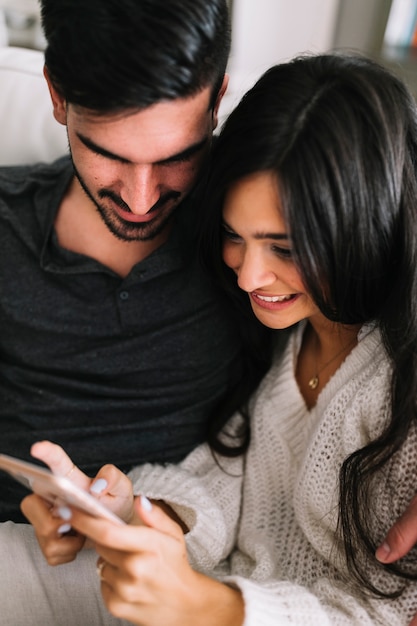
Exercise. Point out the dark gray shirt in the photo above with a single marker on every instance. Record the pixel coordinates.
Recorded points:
(115, 370)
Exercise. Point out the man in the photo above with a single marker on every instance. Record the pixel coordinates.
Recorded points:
(114, 343)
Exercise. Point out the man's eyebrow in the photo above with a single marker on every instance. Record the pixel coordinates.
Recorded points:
(180, 156)
(261, 235)
(187, 153)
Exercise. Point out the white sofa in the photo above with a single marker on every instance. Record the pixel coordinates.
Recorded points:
(28, 130)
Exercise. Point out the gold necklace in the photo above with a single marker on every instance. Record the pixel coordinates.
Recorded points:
(313, 383)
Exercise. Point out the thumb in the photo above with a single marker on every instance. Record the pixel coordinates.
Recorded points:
(115, 491)
(160, 516)
(59, 462)
(110, 480)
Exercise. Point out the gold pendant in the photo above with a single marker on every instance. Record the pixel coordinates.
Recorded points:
(313, 382)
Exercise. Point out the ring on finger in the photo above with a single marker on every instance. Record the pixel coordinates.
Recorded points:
(70, 471)
(99, 569)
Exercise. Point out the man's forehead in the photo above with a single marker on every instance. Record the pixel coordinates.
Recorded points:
(152, 134)
(198, 103)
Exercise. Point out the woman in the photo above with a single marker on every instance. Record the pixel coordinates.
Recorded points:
(312, 208)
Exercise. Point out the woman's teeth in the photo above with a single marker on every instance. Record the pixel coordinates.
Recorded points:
(274, 298)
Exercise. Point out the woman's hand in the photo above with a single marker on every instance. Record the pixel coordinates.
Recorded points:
(146, 577)
(58, 542)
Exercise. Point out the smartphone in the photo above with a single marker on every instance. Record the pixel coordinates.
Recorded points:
(57, 490)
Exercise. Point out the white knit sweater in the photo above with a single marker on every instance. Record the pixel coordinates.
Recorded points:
(266, 523)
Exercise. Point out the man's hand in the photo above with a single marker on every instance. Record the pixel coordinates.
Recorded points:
(401, 537)
(58, 542)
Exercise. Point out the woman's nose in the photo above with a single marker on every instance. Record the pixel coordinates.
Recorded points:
(254, 272)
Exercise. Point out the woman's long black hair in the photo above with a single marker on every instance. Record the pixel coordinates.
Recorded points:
(340, 133)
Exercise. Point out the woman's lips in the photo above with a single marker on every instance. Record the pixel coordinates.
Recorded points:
(273, 303)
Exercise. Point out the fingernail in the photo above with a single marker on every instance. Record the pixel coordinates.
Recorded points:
(145, 503)
(98, 486)
(383, 552)
(65, 528)
(64, 512)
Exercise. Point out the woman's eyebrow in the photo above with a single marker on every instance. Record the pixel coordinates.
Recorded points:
(276, 236)
(261, 235)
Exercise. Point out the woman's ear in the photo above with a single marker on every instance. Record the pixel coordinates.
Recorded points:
(58, 102)
(220, 95)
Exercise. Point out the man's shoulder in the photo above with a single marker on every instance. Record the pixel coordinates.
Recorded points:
(12, 177)
(33, 186)
(30, 194)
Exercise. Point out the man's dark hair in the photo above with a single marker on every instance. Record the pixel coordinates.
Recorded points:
(114, 55)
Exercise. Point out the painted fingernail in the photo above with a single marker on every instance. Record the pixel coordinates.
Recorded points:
(145, 503)
(383, 552)
(98, 486)
(64, 512)
(65, 528)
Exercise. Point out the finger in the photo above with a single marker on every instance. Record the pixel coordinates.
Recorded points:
(160, 516)
(123, 596)
(48, 522)
(401, 537)
(106, 572)
(115, 490)
(126, 538)
(59, 462)
(104, 532)
(110, 480)
(121, 609)
(113, 541)
(57, 546)
(40, 514)
(63, 548)
(413, 621)
(35, 509)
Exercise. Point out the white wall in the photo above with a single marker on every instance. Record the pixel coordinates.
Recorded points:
(265, 32)
(23, 23)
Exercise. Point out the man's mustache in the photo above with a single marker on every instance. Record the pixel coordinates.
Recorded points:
(163, 200)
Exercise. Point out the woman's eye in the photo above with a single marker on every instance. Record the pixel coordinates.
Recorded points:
(284, 253)
(229, 234)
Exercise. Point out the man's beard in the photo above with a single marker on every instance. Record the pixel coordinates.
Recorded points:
(131, 231)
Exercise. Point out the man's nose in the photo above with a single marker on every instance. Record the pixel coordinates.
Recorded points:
(141, 188)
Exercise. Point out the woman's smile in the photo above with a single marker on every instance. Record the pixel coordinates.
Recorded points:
(273, 303)
(258, 248)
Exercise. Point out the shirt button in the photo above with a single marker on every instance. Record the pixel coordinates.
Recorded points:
(124, 295)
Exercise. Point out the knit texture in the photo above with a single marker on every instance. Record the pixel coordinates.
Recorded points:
(267, 523)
